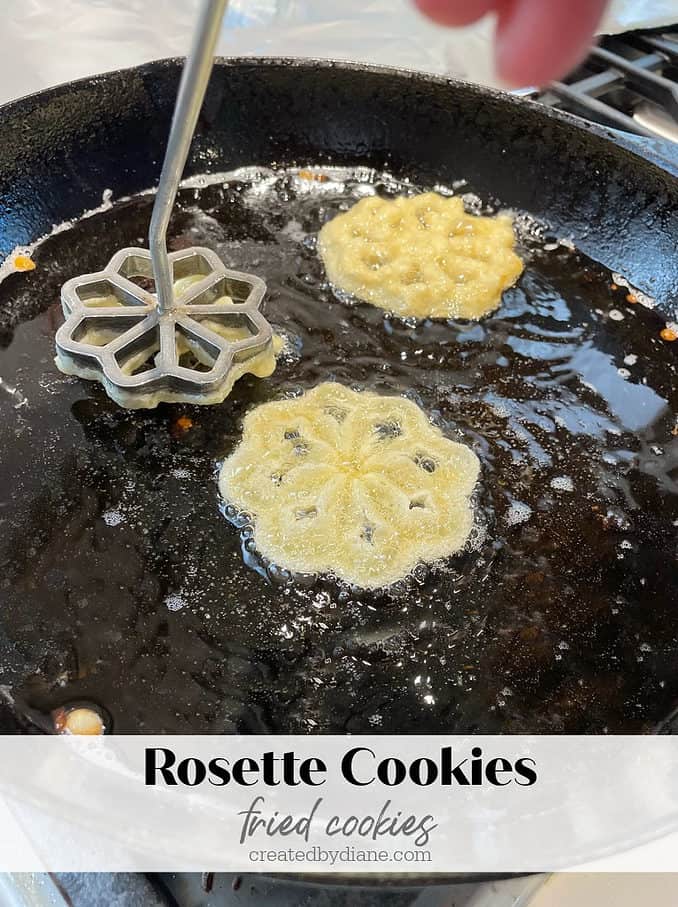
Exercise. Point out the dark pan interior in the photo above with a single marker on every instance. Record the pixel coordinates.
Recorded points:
(59, 151)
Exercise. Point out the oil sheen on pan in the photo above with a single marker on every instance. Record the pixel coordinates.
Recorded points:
(125, 584)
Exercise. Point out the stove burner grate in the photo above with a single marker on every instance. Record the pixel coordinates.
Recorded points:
(628, 82)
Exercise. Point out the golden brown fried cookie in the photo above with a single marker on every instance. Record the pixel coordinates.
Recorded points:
(421, 257)
(358, 485)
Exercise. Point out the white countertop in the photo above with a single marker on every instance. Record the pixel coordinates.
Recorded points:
(47, 42)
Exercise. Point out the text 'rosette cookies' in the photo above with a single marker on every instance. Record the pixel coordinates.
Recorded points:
(421, 257)
(356, 485)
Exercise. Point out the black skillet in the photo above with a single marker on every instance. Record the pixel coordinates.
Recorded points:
(84, 614)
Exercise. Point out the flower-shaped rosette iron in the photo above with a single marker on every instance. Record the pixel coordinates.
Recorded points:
(116, 333)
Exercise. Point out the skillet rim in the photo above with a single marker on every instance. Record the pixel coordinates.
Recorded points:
(660, 153)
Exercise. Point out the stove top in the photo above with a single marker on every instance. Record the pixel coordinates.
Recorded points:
(629, 82)
(228, 890)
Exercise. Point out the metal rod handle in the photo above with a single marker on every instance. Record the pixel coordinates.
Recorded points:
(194, 80)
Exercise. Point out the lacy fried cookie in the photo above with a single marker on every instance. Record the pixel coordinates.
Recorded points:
(356, 485)
(421, 257)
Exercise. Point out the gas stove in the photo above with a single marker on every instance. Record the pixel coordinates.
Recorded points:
(629, 82)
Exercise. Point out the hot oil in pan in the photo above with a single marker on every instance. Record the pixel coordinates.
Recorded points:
(122, 582)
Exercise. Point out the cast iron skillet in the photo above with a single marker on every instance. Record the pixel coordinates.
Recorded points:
(615, 197)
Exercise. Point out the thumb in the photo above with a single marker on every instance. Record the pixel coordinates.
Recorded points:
(537, 40)
(540, 40)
